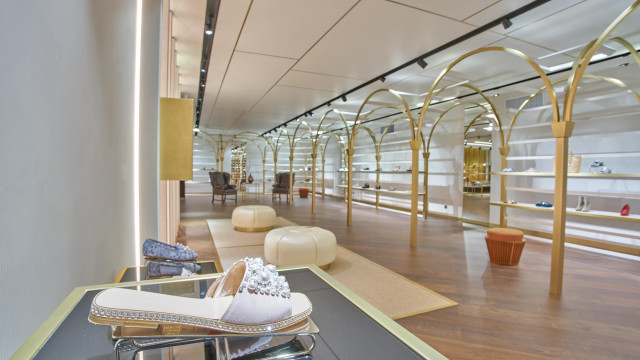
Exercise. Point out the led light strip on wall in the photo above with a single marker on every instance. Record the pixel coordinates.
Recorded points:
(136, 139)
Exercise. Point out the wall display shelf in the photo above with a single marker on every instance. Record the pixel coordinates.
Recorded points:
(382, 191)
(570, 175)
(579, 193)
(400, 172)
(238, 166)
(570, 211)
(532, 145)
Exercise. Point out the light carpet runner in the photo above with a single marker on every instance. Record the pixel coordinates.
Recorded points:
(391, 293)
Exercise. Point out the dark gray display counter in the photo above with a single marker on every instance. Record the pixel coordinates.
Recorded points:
(349, 328)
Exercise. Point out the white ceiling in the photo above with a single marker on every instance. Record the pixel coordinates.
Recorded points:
(273, 60)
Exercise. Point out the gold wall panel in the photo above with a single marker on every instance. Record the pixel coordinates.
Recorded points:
(176, 139)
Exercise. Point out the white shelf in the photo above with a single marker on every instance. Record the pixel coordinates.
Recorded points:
(591, 213)
(381, 172)
(577, 193)
(570, 175)
(383, 191)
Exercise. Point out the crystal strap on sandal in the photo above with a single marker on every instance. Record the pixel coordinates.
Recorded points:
(248, 298)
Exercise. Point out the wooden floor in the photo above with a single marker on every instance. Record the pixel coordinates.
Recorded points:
(503, 312)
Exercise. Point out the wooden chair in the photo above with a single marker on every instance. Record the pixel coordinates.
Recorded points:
(220, 182)
(282, 185)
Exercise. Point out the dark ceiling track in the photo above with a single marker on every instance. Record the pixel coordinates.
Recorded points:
(209, 30)
(420, 60)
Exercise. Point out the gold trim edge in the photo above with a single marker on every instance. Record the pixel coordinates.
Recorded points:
(409, 339)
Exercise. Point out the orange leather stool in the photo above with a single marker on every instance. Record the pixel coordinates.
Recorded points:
(504, 245)
(304, 192)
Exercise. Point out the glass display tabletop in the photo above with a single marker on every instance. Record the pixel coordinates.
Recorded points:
(347, 328)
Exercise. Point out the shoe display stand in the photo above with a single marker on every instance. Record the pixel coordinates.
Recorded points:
(250, 192)
(340, 316)
(286, 344)
(147, 260)
(238, 165)
(128, 273)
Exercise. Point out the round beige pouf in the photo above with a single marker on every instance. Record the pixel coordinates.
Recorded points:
(253, 218)
(297, 245)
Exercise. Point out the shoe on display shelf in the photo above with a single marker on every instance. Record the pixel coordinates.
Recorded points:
(158, 250)
(508, 170)
(169, 268)
(544, 204)
(625, 210)
(249, 298)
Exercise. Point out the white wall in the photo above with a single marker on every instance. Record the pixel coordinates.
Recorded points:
(66, 112)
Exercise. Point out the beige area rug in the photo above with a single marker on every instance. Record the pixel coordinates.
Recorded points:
(389, 292)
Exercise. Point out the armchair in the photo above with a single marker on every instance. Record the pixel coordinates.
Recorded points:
(282, 185)
(220, 182)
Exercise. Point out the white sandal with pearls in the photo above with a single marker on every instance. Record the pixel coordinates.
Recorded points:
(249, 298)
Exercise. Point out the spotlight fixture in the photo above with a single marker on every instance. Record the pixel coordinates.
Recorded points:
(200, 100)
(305, 115)
(506, 23)
(344, 98)
(202, 85)
(624, 64)
(203, 70)
(423, 64)
(382, 78)
(329, 104)
(496, 95)
(208, 29)
(310, 113)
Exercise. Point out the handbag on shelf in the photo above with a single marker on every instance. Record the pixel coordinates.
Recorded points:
(573, 162)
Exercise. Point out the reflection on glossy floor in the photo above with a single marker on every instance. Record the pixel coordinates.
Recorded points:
(476, 207)
(503, 312)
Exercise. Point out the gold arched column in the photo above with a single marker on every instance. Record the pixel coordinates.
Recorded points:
(315, 141)
(413, 235)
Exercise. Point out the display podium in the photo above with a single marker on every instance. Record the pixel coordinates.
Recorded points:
(348, 326)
